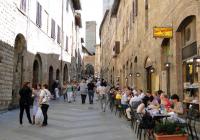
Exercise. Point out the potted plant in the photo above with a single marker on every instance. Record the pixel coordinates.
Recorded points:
(170, 130)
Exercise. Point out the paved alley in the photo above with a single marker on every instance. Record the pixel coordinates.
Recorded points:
(68, 122)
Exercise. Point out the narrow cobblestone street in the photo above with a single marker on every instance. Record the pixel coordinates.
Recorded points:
(68, 122)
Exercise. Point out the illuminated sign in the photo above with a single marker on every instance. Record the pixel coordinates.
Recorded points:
(162, 32)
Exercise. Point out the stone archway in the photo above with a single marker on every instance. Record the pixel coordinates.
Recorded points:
(37, 70)
(20, 48)
(50, 78)
(186, 52)
(148, 67)
(89, 70)
(58, 75)
(65, 74)
(165, 65)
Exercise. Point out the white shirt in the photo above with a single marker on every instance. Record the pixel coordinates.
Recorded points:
(46, 95)
(124, 99)
(101, 90)
(134, 99)
(141, 96)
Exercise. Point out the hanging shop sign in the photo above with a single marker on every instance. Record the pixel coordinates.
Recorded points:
(162, 32)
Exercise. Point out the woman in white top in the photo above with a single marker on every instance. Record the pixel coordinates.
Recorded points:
(102, 90)
(36, 95)
(44, 102)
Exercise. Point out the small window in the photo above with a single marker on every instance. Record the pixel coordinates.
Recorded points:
(53, 29)
(133, 10)
(136, 7)
(188, 34)
(58, 35)
(39, 15)
(66, 44)
(23, 5)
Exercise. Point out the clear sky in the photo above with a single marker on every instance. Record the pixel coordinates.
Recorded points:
(92, 11)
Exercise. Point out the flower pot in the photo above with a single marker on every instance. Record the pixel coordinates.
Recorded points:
(171, 137)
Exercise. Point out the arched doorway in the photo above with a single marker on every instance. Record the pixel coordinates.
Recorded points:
(89, 70)
(37, 70)
(187, 50)
(58, 74)
(165, 65)
(19, 51)
(50, 78)
(131, 75)
(136, 72)
(148, 67)
(65, 73)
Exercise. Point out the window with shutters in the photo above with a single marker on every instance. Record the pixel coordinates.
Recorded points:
(136, 7)
(66, 47)
(133, 10)
(53, 29)
(146, 14)
(39, 15)
(58, 35)
(67, 5)
(23, 5)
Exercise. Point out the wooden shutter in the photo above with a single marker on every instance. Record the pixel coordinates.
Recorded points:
(52, 29)
(23, 5)
(66, 44)
(39, 15)
(58, 35)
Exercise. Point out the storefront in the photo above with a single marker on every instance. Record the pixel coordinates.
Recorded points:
(190, 61)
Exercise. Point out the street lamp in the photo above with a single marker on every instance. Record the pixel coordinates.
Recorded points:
(137, 74)
(152, 70)
(167, 65)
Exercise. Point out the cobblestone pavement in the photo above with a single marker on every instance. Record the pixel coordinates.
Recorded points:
(68, 122)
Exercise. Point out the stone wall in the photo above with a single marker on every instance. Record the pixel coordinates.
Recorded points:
(6, 74)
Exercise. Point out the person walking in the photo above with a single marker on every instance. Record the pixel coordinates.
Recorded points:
(69, 92)
(64, 91)
(101, 90)
(36, 95)
(25, 94)
(83, 91)
(45, 97)
(91, 89)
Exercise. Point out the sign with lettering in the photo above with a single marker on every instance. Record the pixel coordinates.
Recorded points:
(162, 32)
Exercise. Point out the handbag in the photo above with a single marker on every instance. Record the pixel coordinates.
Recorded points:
(39, 116)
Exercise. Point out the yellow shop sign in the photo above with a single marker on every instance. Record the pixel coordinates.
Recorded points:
(162, 32)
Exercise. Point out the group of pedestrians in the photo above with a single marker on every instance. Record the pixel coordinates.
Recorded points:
(70, 91)
(40, 95)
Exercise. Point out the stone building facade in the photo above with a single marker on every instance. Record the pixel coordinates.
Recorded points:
(90, 37)
(97, 65)
(37, 44)
(140, 60)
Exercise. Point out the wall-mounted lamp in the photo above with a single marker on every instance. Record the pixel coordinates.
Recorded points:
(152, 70)
(126, 79)
(167, 65)
(137, 74)
(130, 74)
